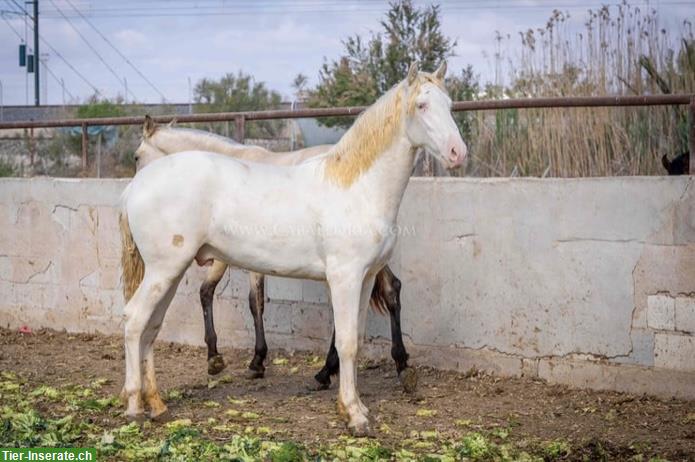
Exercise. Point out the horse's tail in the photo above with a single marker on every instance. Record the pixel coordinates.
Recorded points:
(378, 300)
(131, 260)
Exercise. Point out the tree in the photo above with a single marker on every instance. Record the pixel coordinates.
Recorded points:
(240, 92)
(369, 68)
(299, 84)
(464, 87)
(94, 107)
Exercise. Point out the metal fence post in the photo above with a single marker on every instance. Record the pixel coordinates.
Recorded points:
(85, 141)
(691, 141)
(32, 148)
(239, 132)
(99, 155)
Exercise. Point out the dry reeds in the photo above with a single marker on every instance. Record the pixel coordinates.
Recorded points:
(620, 51)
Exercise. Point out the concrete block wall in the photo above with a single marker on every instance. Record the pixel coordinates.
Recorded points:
(588, 282)
(672, 321)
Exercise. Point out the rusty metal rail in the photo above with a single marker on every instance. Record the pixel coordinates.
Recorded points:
(515, 103)
(241, 117)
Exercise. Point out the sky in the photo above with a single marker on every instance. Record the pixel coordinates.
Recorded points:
(172, 42)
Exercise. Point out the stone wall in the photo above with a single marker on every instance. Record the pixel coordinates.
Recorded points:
(589, 282)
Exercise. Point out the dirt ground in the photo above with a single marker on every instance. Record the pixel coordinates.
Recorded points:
(507, 416)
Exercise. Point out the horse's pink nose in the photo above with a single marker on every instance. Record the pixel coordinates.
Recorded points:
(457, 151)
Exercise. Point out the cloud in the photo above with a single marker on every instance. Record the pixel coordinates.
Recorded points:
(271, 47)
(131, 40)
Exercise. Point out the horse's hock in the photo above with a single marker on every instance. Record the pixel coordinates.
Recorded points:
(588, 282)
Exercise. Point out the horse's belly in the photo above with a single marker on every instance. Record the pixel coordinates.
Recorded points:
(270, 253)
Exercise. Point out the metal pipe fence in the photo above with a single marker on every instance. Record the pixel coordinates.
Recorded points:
(240, 118)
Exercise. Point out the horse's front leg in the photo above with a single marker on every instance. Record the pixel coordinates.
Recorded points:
(349, 295)
(388, 286)
(207, 295)
(257, 306)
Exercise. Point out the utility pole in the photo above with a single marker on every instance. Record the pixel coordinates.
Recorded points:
(36, 53)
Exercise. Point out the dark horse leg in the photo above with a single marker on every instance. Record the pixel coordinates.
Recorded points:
(386, 295)
(391, 295)
(207, 293)
(332, 366)
(257, 306)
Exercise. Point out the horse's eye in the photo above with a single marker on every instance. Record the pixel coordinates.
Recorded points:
(422, 106)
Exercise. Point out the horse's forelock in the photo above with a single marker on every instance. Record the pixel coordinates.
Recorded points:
(422, 79)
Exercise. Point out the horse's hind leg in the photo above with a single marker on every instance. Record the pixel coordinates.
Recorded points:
(257, 307)
(149, 389)
(207, 295)
(389, 288)
(331, 367)
(144, 314)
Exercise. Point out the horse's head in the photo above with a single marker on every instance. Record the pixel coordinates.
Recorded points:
(429, 122)
(147, 151)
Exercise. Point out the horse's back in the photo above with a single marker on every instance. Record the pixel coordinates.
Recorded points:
(208, 185)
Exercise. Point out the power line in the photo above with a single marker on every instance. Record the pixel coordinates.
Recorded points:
(45, 64)
(12, 27)
(60, 56)
(17, 5)
(60, 82)
(154, 87)
(84, 39)
(325, 7)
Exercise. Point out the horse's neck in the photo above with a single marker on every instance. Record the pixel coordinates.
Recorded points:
(388, 177)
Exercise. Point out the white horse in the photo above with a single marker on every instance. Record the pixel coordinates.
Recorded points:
(329, 218)
(159, 141)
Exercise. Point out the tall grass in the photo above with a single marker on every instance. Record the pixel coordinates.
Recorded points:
(618, 51)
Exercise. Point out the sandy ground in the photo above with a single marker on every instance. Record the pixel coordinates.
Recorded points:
(521, 413)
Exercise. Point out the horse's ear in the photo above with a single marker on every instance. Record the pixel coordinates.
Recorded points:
(412, 73)
(149, 127)
(665, 162)
(440, 73)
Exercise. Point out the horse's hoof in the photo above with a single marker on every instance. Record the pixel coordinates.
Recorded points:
(216, 365)
(161, 416)
(315, 385)
(138, 418)
(252, 374)
(360, 428)
(408, 379)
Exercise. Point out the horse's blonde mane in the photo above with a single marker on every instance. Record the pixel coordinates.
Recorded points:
(372, 133)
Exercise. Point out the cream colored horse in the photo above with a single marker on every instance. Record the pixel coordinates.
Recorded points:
(329, 218)
(158, 141)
